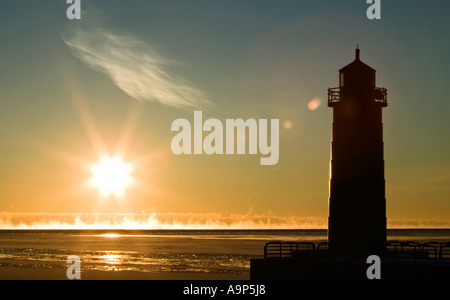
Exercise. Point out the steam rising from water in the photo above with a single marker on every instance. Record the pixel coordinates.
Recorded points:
(155, 221)
(12, 220)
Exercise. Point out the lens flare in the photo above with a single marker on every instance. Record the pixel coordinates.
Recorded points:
(314, 104)
(288, 124)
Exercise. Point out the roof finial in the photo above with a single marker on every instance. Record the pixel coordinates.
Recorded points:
(357, 52)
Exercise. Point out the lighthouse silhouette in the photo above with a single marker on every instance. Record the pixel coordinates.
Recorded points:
(357, 203)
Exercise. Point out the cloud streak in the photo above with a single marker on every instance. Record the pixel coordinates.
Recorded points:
(133, 65)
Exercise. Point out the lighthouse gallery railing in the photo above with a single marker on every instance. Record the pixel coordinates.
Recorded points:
(334, 96)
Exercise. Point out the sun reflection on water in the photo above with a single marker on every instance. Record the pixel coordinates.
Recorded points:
(110, 235)
(111, 258)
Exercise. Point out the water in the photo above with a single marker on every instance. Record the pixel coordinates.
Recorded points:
(190, 252)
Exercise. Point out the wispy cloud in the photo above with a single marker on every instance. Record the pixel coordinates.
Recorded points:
(132, 64)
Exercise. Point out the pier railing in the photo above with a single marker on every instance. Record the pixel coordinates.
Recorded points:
(287, 249)
(409, 251)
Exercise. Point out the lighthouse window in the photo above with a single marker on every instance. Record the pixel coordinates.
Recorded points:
(342, 80)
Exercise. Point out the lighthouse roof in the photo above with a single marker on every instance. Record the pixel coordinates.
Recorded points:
(357, 64)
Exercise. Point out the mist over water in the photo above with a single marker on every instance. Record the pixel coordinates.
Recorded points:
(131, 221)
(174, 221)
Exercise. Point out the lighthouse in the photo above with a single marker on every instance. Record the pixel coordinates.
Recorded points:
(357, 203)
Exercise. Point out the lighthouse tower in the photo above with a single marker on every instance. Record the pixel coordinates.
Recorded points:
(357, 203)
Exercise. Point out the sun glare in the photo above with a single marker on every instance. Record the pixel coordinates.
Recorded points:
(111, 176)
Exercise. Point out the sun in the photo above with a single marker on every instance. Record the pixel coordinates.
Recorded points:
(111, 176)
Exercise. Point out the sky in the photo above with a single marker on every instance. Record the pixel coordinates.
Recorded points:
(114, 81)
